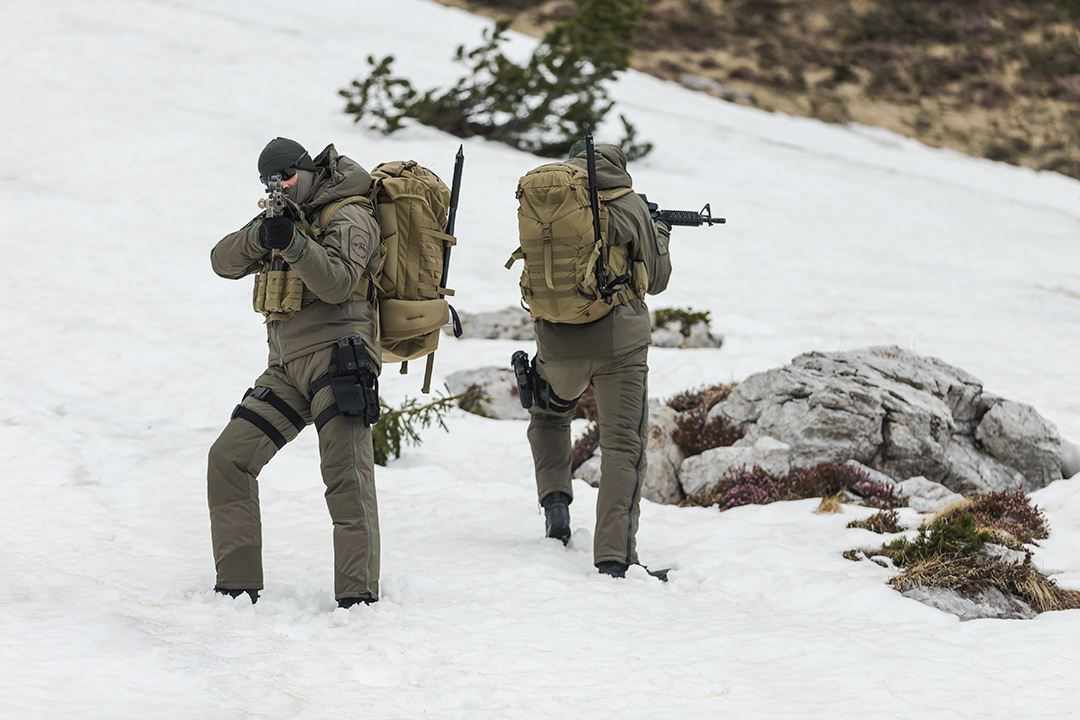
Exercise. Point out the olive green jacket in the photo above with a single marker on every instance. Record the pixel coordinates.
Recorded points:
(628, 326)
(330, 267)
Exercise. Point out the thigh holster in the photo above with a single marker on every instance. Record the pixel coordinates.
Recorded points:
(353, 381)
(535, 390)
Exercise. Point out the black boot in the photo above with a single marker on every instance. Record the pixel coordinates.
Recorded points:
(349, 602)
(557, 516)
(612, 568)
(253, 595)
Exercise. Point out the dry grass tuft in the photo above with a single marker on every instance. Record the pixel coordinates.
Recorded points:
(830, 505)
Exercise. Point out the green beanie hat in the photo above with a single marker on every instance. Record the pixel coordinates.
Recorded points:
(576, 149)
(281, 153)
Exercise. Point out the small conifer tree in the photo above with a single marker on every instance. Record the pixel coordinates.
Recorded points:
(540, 107)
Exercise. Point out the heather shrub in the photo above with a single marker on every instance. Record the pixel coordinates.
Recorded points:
(959, 534)
(885, 521)
(740, 486)
(695, 433)
(686, 318)
(475, 399)
(949, 553)
(586, 445)
(703, 398)
(879, 496)
(754, 486)
(586, 405)
(821, 480)
(1008, 512)
(1055, 56)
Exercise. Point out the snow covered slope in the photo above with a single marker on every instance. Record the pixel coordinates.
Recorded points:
(131, 130)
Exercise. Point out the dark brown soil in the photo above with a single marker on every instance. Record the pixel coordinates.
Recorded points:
(992, 78)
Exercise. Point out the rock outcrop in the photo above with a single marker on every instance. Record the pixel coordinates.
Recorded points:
(902, 414)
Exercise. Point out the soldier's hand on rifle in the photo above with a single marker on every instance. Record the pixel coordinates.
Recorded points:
(275, 233)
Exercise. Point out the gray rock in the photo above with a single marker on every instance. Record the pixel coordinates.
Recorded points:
(500, 392)
(1017, 434)
(515, 323)
(1070, 459)
(901, 414)
(512, 323)
(822, 418)
(991, 603)
(589, 471)
(673, 334)
(926, 496)
(664, 457)
(773, 456)
(971, 472)
(665, 338)
(700, 472)
(877, 478)
(661, 483)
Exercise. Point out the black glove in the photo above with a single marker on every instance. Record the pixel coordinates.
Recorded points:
(275, 233)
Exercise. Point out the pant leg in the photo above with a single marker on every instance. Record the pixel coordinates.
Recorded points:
(549, 429)
(348, 471)
(235, 460)
(347, 462)
(621, 389)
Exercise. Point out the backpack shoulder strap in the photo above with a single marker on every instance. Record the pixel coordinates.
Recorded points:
(327, 211)
(613, 193)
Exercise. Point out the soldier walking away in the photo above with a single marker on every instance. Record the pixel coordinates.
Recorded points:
(609, 351)
(311, 252)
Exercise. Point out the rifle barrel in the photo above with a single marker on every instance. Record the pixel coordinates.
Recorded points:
(451, 219)
(594, 200)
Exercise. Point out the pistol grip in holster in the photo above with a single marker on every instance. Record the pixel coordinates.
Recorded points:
(519, 361)
(532, 389)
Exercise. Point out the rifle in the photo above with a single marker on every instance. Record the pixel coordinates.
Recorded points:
(594, 200)
(606, 290)
(685, 218)
(274, 206)
(451, 220)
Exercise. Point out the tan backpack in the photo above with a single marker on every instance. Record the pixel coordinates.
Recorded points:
(561, 251)
(411, 205)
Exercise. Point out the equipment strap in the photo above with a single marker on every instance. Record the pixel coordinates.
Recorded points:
(260, 422)
(261, 392)
(326, 415)
(319, 383)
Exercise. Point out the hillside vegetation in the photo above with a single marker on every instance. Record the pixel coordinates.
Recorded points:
(993, 78)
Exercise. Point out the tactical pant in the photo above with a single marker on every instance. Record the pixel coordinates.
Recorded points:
(621, 389)
(260, 426)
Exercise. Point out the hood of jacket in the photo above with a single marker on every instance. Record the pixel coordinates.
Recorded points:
(335, 177)
(610, 167)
